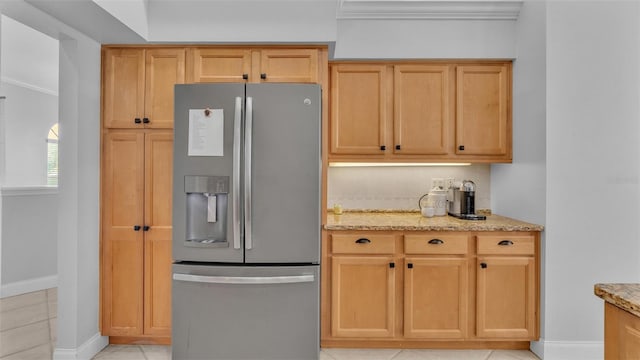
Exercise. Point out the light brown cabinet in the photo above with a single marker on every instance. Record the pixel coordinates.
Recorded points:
(506, 287)
(136, 233)
(621, 334)
(238, 64)
(420, 111)
(436, 286)
(483, 97)
(363, 296)
(138, 86)
(425, 288)
(363, 286)
(359, 105)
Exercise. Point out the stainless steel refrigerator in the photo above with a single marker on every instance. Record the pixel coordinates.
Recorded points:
(246, 221)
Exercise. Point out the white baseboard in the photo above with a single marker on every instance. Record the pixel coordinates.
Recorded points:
(85, 351)
(27, 286)
(568, 350)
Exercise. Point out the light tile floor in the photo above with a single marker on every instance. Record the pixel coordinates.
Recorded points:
(158, 352)
(28, 325)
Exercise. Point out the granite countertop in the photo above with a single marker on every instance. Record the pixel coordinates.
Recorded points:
(388, 220)
(624, 296)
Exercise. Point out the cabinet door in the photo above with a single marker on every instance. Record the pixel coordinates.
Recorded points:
(288, 65)
(157, 238)
(123, 88)
(122, 244)
(218, 65)
(506, 298)
(621, 334)
(164, 68)
(482, 116)
(363, 296)
(435, 298)
(358, 109)
(421, 109)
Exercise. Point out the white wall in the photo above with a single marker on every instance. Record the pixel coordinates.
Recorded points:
(29, 242)
(593, 143)
(29, 114)
(29, 80)
(435, 39)
(78, 226)
(518, 189)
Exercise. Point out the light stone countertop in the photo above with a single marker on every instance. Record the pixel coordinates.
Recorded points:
(624, 296)
(414, 221)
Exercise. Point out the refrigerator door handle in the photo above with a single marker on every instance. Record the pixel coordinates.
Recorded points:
(250, 280)
(237, 127)
(248, 241)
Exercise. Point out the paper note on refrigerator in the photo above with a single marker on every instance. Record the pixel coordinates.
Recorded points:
(206, 132)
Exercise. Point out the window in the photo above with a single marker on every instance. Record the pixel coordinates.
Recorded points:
(52, 156)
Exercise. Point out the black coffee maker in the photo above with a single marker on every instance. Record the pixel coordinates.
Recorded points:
(462, 201)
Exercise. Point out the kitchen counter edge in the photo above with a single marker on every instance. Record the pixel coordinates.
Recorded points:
(623, 296)
(408, 221)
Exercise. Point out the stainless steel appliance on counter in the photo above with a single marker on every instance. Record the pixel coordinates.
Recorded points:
(462, 201)
(246, 221)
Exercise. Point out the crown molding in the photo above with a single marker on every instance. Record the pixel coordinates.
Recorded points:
(429, 9)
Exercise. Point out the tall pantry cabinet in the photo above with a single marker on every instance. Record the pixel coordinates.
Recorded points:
(137, 153)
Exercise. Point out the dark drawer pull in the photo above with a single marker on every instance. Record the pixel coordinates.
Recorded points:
(136, 227)
(483, 265)
(505, 243)
(436, 242)
(392, 265)
(410, 265)
(137, 121)
(363, 241)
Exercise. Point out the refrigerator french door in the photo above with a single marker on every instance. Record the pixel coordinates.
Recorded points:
(246, 221)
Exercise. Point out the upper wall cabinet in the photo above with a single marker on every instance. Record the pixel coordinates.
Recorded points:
(482, 112)
(359, 113)
(138, 86)
(236, 64)
(420, 111)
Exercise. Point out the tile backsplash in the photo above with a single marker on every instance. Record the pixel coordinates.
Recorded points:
(398, 187)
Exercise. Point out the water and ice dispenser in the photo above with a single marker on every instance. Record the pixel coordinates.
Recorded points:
(206, 215)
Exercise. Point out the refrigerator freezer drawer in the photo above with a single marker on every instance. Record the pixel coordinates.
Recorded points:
(249, 313)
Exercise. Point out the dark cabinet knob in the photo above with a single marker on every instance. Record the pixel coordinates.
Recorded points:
(146, 120)
(383, 148)
(461, 147)
(245, 76)
(436, 242)
(392, 265)
(263, 76)
(137, 121)
(397, 147)
(505, 243)
(483, 265)
(410, 265)
(136, 228)
(146, 228)
(363, 241)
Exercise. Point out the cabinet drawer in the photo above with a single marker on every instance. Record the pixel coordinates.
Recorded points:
(506, 244)
(435, 243)
(363, 243)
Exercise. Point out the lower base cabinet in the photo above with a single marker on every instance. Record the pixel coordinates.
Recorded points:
(621, 334)
(431, 289)
(435, 298)
(363, 296)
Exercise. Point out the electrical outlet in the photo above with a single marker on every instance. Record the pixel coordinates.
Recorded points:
(437, 183)
(448, 183)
